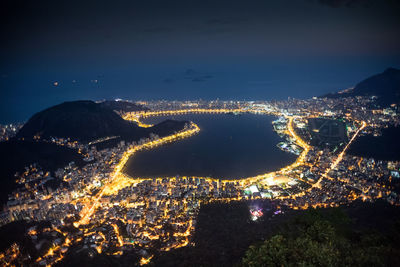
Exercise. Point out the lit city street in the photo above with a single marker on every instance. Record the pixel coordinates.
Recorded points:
(136, 210)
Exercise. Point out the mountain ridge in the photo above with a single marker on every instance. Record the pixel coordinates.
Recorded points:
(85, 121)
(385, 85)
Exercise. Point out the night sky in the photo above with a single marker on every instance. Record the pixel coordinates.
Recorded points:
(145, 50)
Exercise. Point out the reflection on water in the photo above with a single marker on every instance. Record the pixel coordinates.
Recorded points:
(227, 146)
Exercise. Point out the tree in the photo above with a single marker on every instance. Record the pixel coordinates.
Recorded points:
(273, 252)
(316, 245)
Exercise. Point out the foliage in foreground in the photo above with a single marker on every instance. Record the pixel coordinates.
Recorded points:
(315, 240)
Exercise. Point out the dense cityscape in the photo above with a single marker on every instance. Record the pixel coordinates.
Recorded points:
(200, 133)
(101, 209)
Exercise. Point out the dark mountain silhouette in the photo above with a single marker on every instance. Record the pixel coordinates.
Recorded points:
(87, 121)
(78, 120)
(386, 86)
(124, 106)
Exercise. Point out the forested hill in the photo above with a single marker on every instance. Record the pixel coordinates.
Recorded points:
(87, 121)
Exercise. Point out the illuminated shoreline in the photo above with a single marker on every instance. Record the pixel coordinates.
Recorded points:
(137, 116)
(118, 180)
(85, 214)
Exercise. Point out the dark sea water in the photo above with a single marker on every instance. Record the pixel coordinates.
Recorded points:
(227, 146)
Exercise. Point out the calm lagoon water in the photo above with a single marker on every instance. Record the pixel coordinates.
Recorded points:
(227, 146)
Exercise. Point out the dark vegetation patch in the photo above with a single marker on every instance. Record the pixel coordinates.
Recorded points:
(29, 248)
(384, 147)
(224, 232)
(87, 121)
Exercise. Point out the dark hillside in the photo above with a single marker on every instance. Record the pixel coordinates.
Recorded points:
(386, 86)
(224, 233)
(87, 121)
(15, 155)
(78, 120)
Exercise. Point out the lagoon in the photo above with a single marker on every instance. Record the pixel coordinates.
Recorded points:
(227, 147)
